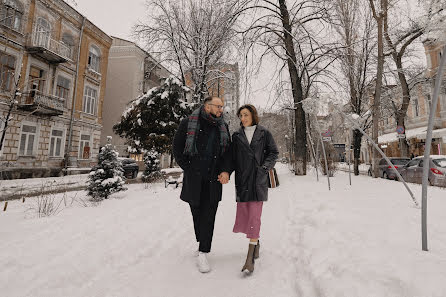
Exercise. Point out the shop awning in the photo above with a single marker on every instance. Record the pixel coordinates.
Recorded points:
(411, 133)
(438, 133)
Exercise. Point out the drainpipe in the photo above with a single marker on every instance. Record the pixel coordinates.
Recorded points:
(70, 131)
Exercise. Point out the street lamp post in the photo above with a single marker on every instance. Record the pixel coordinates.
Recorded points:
(426, 161)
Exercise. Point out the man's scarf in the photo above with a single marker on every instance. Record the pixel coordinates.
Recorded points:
(193, 127)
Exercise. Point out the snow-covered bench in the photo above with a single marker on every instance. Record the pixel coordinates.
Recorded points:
(173, 178)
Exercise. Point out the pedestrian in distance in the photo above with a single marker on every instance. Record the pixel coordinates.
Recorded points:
(253, 154)
(200, 147)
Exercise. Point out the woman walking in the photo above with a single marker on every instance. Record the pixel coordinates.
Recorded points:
(254, 152)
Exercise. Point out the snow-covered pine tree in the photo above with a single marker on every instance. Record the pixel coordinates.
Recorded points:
(152, 119)
(152, 162)
(108, 176)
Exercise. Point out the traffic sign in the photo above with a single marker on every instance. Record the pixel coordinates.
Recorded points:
(399, 136)
(400, 130)
(326, 138)
(327, 133)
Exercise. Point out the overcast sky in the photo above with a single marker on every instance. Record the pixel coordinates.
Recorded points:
(116, 18)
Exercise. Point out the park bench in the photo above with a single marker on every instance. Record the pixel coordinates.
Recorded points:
(173, 178)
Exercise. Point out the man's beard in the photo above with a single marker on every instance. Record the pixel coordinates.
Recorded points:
(214, 115)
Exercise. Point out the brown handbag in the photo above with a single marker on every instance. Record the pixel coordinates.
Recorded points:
(273, 179)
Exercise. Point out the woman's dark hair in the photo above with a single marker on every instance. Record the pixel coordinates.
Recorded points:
(252, 110)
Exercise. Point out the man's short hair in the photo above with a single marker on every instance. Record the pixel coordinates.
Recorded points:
(207, 100)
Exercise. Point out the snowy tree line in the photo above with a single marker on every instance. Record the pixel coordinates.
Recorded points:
(349, 49)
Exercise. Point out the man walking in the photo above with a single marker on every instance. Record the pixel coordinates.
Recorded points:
(200, 147)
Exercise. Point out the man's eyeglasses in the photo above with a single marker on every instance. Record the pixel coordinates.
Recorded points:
(218, 106)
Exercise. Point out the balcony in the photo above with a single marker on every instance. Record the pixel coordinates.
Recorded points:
(42, 45)
(41, 104)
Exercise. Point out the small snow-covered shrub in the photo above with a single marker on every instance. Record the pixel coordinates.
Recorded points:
(108, 176)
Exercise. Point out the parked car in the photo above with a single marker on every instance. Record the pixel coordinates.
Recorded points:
(386, 171)
(130, 167)
(413, 171)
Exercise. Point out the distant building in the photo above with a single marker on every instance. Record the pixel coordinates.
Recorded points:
(131, 72)
(62, 59)
(418, 111)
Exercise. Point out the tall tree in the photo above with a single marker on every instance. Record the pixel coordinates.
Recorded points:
(293, 35)
(192, 36)
(378, 11)
(354, 25)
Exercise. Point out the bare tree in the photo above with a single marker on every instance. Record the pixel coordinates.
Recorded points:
(295, 36)
(12, 104)
(398, 40)
(354, 24)
(378, 11)
(192, 36)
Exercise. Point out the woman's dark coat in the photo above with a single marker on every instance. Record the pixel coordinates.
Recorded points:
(192, 176)
(251, 163)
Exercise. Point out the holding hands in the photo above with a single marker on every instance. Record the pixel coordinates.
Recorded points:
(223, 178)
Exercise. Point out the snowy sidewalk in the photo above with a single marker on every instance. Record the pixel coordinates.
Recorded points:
(16, 188)
(363, 168)
(362, 240)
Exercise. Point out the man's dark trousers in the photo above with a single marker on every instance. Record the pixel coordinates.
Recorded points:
(204, 218)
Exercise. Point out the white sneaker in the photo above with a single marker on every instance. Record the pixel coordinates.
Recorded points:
(202, 263)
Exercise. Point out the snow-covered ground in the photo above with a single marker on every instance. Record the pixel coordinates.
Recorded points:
(360, 240)
(363, 168)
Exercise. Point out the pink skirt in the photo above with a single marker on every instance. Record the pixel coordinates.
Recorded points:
(247, 219)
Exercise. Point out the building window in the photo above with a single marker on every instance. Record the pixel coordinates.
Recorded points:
(7, 68)
(28, 139)
(62, 87)
(43, 33)
(36, 82)
(416, 107)
(11, 13)
(68, 41)
(90, 100)
(94, 59)
(429, 103)
(56, 148)
(84, 147)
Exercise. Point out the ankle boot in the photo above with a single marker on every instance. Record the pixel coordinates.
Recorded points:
(249, 264)
(257, 250)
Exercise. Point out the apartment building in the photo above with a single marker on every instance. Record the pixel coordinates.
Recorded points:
(418, 110)
(54, 66)
(131, 72)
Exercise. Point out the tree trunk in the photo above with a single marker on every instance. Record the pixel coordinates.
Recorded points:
(404, 147)
(300, 149)
(357, 137)
(7, 119)
(377, 96)
(400, 120)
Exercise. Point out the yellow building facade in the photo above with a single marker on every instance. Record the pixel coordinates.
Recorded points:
(53, 67)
